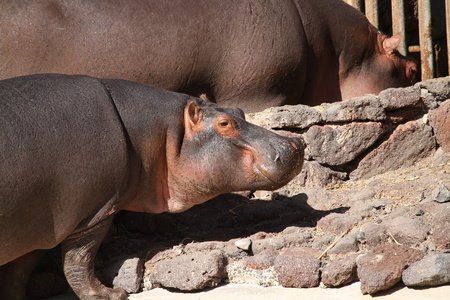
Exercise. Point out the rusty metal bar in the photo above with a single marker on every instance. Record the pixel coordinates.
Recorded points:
(426, 43)
(355, 3)
(447, 21)
(414, 49)
(398, 23)
(372, 11)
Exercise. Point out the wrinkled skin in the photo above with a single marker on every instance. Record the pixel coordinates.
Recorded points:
(240, 53)
(75, 150)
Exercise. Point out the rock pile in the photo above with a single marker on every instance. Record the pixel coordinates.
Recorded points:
(368, 135)
(372, 204)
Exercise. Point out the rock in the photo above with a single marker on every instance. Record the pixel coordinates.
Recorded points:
(419, 212)
(441, 194)
(408, 144)
(243, 244)
(272, 243)
(438, 87)
(203, 246)
(361, 195)
(442, 217)
(382, 267)
(233, 252)
(322, 242)
(364, 108)
(238, 272)
(406, 231)
(347, 244)
(190, 271)
(261, 261)
(362, 209)
(318, 199)
(395, 98)
(432, 270)
(336, 145)
(295, 269)
(296, 236)
(336, 223)
(428, 99)
(379, 204)
(441, 229)
(440, 121)
(314, 174)
(301, 252)
(125, 273)
(375, 234)
(403, 114)
(287, 116)
(340, 271)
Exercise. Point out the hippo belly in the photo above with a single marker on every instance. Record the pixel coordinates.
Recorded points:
(62, 158)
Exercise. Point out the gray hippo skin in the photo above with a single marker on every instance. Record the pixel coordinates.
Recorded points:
(241, 53)
(75, 150)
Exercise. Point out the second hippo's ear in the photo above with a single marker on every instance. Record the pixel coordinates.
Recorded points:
(390, 44)
(192, 119)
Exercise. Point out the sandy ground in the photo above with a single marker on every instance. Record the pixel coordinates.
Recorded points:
(250, 292)
(255, 292)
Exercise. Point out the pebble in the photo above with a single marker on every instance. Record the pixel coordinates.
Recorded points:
(441, 194)
(244, 244)
(419, 212)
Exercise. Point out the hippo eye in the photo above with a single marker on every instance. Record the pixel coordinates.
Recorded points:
(225, 127)
(224, 123)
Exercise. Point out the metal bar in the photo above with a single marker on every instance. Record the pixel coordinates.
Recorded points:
(372, 12)
(398, 23)
(447, 21)
(426, 43)
(414, 49)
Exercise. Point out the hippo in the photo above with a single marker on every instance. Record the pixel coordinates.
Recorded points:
(241, 53)
(75, 150)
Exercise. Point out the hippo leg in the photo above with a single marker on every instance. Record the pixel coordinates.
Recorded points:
(14, 275)
(79, 251)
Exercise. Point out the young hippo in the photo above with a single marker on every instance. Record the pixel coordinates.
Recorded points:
(76, 150)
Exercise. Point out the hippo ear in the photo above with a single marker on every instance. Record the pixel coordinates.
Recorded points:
(204, 98)
(192, 120)
(390, 44)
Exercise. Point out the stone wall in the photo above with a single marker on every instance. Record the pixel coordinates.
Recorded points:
(368, 135)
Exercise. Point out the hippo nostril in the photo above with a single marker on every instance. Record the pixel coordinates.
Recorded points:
(293, 145)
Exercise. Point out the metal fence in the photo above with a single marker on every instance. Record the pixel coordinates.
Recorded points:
(428, 52)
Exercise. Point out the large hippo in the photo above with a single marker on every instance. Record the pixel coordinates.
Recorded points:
(75, 150)
(248, 53)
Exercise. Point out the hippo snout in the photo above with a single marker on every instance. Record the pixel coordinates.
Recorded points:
(281, 160)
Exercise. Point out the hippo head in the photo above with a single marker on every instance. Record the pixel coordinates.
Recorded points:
(221, 153)
(378, 68)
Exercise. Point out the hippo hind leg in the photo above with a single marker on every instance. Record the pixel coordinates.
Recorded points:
(79, 252)
(14, 275)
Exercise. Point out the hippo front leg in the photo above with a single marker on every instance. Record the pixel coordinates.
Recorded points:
(15, 274)
(79, 251)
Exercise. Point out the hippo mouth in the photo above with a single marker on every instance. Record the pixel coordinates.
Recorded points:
(275, 169)
(257, 168)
